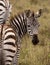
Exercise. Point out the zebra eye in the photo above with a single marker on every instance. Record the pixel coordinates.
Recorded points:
(28, 25)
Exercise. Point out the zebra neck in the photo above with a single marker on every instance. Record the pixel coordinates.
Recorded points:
(19, 27)
(23, 28)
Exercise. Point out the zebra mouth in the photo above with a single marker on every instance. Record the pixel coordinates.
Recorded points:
(35, 39)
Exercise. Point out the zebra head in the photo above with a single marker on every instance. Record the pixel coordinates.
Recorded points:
(33, 25)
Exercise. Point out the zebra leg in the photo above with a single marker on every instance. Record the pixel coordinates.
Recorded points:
(16, 57)
(0, 57)
(9, 45)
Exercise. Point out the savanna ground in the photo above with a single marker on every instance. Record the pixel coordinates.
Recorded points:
(39, 54)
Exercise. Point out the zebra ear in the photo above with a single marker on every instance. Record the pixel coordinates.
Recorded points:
(27, 13)
(38, 13)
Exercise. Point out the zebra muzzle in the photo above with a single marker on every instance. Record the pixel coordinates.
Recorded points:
(35, 39)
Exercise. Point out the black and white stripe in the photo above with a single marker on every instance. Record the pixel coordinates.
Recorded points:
(9, 45)
(19, 23)
(11, 39)
(5, 9)
(12, 35)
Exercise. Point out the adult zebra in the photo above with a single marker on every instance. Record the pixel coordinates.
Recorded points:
(5, 10)
(20, 25)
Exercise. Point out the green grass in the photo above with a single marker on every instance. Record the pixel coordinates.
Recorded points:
(39, 54)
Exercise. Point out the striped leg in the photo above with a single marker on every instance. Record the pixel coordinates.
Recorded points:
(9, 45)
(0, 57)
(16, 58)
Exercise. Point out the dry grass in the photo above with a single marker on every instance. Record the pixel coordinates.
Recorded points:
(39, 54)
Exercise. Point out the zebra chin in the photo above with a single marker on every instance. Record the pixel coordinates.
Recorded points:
(35, 39)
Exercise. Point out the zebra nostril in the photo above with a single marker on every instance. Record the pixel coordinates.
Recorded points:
(35, 42)
(35, 39)
(28, 25)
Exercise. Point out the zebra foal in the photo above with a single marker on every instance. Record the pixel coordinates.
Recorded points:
(20, 24)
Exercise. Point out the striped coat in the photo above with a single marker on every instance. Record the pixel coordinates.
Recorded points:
(21, 24)
(5, 10)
